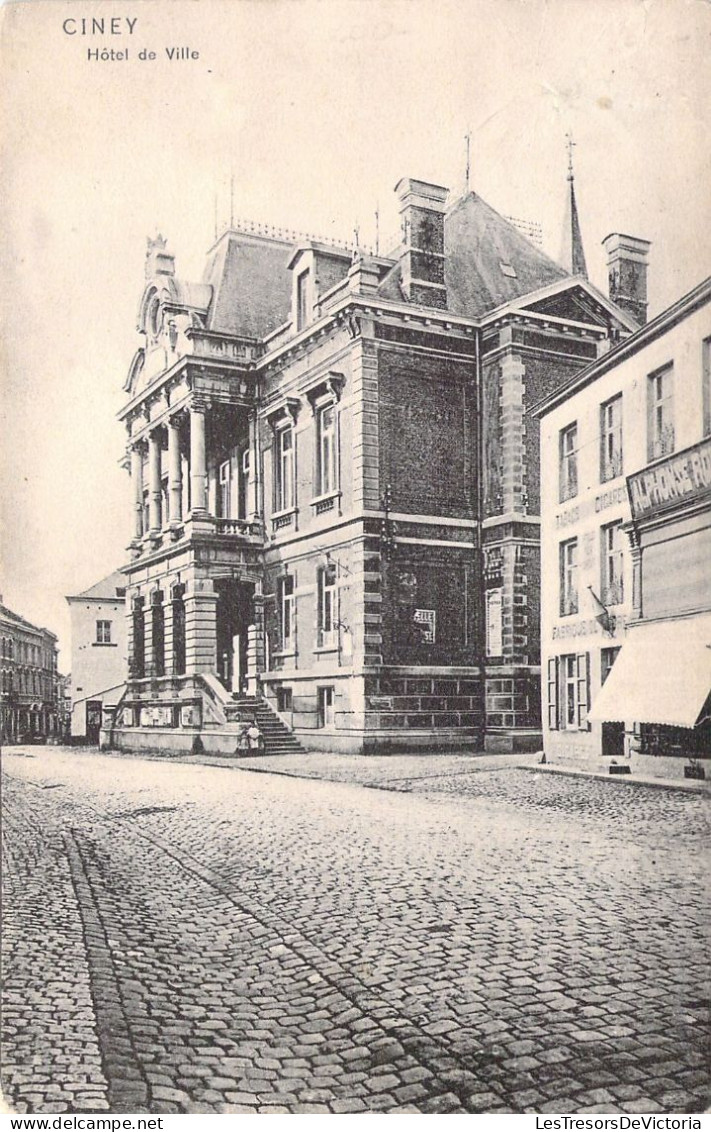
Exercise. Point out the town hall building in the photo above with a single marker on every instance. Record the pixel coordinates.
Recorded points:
(336, 486)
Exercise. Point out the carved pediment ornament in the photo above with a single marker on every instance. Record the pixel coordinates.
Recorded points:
(331, 384)
(289, 409)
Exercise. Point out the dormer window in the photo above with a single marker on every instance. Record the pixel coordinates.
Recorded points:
(508, 270)
(302, 291)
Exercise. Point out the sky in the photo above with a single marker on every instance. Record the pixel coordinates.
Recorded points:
(315, 109)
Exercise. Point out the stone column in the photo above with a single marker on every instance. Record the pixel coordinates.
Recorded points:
(198, 468)
(154, 487)
(175, 474)
(137, 483)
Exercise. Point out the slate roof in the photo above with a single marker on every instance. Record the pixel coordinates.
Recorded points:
(250, 283)
(7, 615)
(106, 588)
(477, 242)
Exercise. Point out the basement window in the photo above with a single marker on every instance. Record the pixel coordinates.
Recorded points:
(508, 270)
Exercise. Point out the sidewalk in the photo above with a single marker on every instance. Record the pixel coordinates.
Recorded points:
(379, 770)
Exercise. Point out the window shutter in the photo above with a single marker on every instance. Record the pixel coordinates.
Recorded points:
(583, 679)
(553, 693)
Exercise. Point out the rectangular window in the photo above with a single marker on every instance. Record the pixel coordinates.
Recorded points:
(660, 413)
(244, 501)
(607, 659)
(706, 384)
(574, 696)
(302, 291)
(103, 632)
(612, 564)
(224, 503)
(285, 591)
(326, 715)
(327, 607)
(568, 463)
(284, 470)
(569, 577)
(326, 479)
(611, 439)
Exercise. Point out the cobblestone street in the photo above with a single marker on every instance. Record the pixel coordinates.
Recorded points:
(428, 935)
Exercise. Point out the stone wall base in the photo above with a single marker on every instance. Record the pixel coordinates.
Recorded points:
(385, 742)
(513, 742)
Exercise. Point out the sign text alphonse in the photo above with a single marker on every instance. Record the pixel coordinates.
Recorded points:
(683, 477)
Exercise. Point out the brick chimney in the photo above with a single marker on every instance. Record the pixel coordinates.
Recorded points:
(627, 273)
(422, 209)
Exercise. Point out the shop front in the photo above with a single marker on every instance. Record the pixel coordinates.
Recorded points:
(660, 684)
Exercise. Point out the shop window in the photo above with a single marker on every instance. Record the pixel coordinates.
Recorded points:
(569, 577)
(568, 463)
(611, 439)
(660, 413)
(326, 464)
(326, 713)
(284, 469)
(327, 607)
(103, 632)
(612, 564)
(285, 592)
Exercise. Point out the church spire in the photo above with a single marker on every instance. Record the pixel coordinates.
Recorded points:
(573, 257)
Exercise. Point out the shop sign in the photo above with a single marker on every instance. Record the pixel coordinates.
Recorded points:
(426, 619)
(681, 478)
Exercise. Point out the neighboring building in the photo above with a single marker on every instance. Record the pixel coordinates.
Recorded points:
(99, 656)
(336, 494)
(29, 685)
(626, 546)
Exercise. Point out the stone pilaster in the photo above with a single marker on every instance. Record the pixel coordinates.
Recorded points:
(364, 417)
(200, 628)
(513, 453)
(256, 654)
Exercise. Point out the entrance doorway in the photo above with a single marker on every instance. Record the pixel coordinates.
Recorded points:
(613, 740)
(234, 615)
(93, 722)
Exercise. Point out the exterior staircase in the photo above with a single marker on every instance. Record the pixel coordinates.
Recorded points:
(278, 739)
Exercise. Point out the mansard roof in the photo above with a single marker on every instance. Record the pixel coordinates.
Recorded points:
(251, 286)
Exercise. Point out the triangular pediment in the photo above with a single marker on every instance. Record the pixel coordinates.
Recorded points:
(579, 301)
